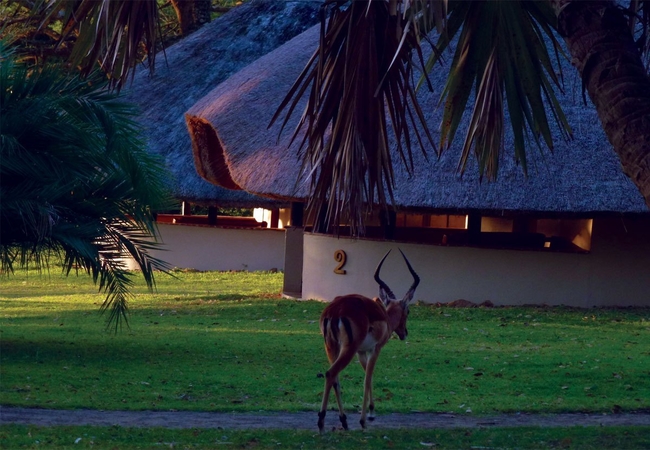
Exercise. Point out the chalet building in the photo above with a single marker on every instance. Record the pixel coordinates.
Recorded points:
(575, 231)
(186, 72)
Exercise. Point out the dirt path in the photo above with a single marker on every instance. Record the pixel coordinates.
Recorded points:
(305, 420)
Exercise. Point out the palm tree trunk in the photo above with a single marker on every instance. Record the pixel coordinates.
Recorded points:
(185, 14)
(202, 11)
(606, 56)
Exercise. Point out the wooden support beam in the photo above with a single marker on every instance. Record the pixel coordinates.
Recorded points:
(186, 209)
(297, 214)
(275, 218)
(474, 229)
(213, 213)
(387, 219)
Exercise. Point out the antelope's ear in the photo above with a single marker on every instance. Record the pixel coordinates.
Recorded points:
(380, 302)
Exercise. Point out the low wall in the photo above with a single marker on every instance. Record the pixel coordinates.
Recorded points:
(615, 273)
(216, 248)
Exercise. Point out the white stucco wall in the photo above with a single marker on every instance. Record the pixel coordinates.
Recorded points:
(615, 272)
(214, 248)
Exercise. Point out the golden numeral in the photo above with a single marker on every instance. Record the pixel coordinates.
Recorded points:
(340, 257)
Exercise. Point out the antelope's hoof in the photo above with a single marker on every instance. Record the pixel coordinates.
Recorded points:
(321, 421)
(371, 418)
(344, 421)
(363, 423)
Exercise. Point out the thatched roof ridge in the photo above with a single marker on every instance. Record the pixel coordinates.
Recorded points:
(190, 68)
(235, 116)
(582, 176)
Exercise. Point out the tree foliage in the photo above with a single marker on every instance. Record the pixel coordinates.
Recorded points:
(509, 60)
(76, 181)
(359, 86)
(114, 35)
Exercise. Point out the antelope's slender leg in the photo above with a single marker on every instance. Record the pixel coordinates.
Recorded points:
(323, 407)
(345, 357)
(363, 359)
(367, 385)
(332, 351)
(331, 380)
(337, 391)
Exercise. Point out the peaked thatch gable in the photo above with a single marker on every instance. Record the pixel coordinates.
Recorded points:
(192, 67)
(582, 176)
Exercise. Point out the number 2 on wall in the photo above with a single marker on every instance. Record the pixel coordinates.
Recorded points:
(340, 257)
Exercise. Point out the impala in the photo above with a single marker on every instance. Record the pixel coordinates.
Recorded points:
(354, 324)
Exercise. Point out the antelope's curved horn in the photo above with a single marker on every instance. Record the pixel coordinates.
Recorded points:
(416, 279)
(384, 290)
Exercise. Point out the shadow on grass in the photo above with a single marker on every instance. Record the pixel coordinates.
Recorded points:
(39, 311)
(128, 350)
(211, 298)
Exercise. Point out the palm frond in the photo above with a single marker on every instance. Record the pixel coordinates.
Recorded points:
(501, 51)
(359, 85)
(75, 180)
(115, 34)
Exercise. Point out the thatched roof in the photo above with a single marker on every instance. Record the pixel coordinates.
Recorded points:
(583, 176)
(192, 67)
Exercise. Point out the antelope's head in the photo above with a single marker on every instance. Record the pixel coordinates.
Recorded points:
(398, 310)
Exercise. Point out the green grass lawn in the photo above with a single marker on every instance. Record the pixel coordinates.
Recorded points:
(227, 342)
(589, 438)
